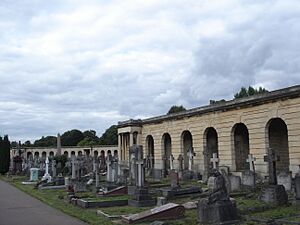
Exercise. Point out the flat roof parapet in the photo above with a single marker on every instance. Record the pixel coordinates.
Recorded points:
(290, 92)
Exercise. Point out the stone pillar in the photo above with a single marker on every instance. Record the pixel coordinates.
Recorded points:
(130, 139)
(138, 141)
(120, 145)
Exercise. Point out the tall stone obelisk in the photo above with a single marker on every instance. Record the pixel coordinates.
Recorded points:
(58, 152)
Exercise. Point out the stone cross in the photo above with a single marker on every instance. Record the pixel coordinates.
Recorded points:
(251, 161)
(190, 155)
(47, 175)
(140, 169)
(180, 159)
(214, 160)
(272, 158)
(171, 162)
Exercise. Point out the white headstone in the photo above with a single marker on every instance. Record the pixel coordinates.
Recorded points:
(214, 160)
(171, 162)
(251, 161)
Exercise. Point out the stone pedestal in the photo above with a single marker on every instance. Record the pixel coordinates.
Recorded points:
(34, 174)
(141, 198)
(274, 194)
(220, 212)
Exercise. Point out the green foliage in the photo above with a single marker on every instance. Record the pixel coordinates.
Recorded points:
(90, 138)
(244, 92)
(61, 158)
(71, 137)
(4, 154)
(49, 141)
(110, 136)
(176, 109)
(214, 102)
(27, 144)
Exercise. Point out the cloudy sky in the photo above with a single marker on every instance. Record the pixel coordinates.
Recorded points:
(87, 64)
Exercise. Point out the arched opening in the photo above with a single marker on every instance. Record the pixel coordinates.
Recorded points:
(135, 134)
(29, 156)
(66, 153)
(102, 153)
(116, 154)
(51, 154)
(150, 149)
(44, 155)
(73, 154)
(187, 146)
(36, 155)
(79, 153)
(95, 154)
(278, 142)
(167, 150)
(241, 146)
(210, 147)
(109, 152)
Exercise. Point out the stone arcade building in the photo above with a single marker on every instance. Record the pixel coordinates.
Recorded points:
(232, 130)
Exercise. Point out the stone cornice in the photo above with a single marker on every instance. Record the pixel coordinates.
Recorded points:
(281, 94)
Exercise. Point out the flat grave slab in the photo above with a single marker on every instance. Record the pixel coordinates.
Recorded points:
(122, 190)
(171, 192)
(164, 212)
(94, 203)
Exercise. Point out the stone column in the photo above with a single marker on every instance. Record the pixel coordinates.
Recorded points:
(138, 141)
(120, 145)
(130, 139)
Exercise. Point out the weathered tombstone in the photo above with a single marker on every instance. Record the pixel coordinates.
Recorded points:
(167, 211)
(285, 178)
(161, 201)
(174, 179)
(47, 175)
(248, 179)
(251, 161)
(141, 196)
(74, 168)
(180, 165)
(157, 174)
(274, 193)
(109, 175)
(191, 155)
(34, 174)
(171, 162)
(17, 164)
(215, 160)
(97, 178)
(218, 208)
(115, 166)
(235, 183)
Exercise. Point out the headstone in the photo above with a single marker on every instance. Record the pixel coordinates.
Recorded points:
(171, 162)
(191, 155)
(251, 161)
(47, 175)
(157, 174)
(272, 158)
(167, 212)
(235, 183)
(161, 201)
(248, 179)
(109, 175)
(73, 168)
(115, 167)
(141, 197)
(174, 179)
(180, 165)
(218, 208)
(215, 160)
(285, 178)
(34, 174)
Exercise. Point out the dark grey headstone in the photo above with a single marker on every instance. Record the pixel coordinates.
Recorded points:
(157, 174)
(220, 212)
(248, 179)
(297, 187)
(274, 194)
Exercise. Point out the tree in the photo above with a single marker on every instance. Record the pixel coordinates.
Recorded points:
(176, 109)
(4, 154)
(110, 136)
(244, 92)
(49, 141)
(27, 144)
(71, 137)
